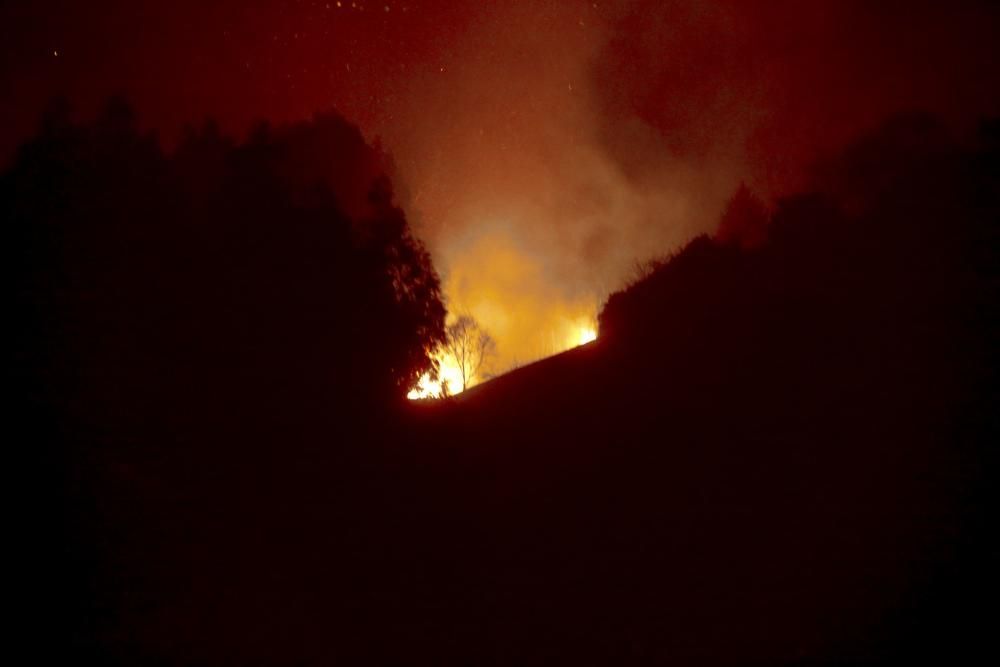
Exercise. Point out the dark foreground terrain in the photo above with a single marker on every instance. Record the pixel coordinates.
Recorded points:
(778, 451)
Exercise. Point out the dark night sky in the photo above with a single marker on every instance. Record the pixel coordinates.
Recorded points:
(544, 147)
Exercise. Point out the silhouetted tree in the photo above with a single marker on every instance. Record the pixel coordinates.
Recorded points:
(286, 250)
(471, 346)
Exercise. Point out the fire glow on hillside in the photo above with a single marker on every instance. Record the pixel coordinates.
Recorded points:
(448, 380)
(447, 383)
(586, 335)
(503, 281)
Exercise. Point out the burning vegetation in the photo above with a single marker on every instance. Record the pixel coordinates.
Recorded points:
(468, 357)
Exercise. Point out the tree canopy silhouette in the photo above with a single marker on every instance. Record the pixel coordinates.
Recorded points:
(276, 269)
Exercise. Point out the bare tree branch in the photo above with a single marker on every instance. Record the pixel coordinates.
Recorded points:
(471, 346)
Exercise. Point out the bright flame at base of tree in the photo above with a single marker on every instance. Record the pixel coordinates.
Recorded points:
(448, 382)
(587, 335)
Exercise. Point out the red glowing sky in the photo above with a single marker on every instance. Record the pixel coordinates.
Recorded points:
(235, 60)
(543, 147)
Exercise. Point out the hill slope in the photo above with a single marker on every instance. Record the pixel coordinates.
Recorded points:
(775, 456)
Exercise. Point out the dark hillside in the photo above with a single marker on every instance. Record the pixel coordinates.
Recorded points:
(776, 452)
(773, 456)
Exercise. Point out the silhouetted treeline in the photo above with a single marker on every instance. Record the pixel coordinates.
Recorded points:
(888, 266)
(189, 320)
(277, 266)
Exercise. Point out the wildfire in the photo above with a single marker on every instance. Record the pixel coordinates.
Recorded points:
(447, 383)
(503, 282)
(449, 375)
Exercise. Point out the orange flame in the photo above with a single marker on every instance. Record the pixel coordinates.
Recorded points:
(447, 383)
(512, 295)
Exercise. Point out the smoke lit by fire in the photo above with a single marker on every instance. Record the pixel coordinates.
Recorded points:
(540, 149)
(533, 322)
(562, 144)
(506, 281)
